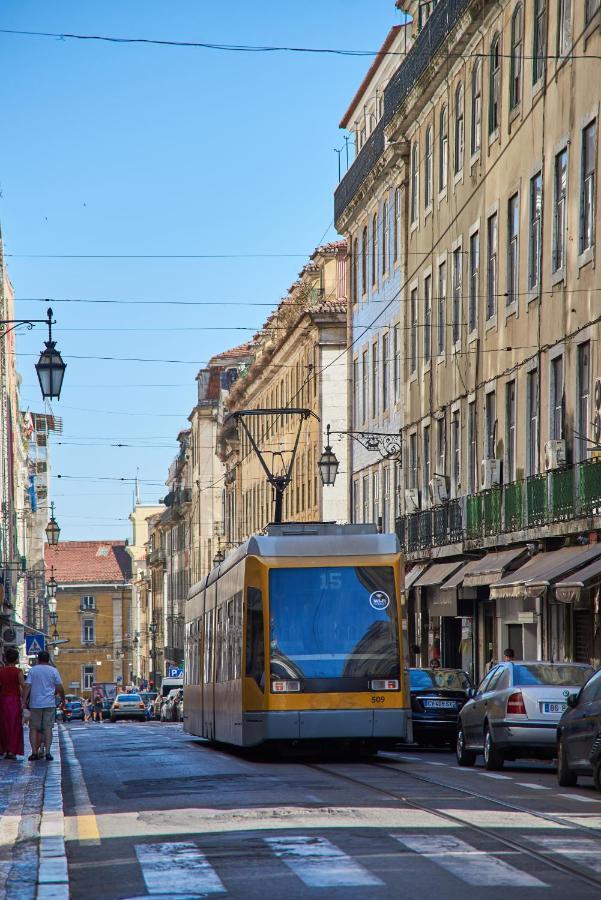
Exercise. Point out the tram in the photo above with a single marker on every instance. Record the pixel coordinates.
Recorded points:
(300, 636)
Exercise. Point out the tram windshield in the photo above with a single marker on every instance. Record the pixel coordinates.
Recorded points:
(333, 624)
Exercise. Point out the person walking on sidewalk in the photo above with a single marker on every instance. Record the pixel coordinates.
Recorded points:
(12, 687)
(42, 684)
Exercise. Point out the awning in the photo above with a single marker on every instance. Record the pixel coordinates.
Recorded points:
(543, 570)
(412, 575)
(437, 573)
(568, 590)
(481, 572)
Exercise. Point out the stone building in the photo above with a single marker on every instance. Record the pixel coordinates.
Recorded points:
(493, 119)
(93, 607)
(140, 606)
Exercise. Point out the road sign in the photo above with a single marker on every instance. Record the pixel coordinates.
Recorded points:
(34, 644)
(175, 672)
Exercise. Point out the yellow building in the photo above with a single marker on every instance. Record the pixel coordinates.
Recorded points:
(93, 608)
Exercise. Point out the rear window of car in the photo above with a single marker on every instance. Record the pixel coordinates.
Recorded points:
(124, 698)
(422, 679)
(543, 673)
(74, 704)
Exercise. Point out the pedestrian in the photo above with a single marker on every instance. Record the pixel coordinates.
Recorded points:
(12, 687)
(435, 663)
(88, 710)
(508, 655)
(97, 709)
(42, 685)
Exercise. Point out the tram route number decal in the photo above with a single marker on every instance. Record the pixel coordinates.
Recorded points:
(379, 600)
(377, 699)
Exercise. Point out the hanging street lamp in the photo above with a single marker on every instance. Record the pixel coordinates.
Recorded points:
(50, 367)
(51, 584)
(328, 464)
(53, 531)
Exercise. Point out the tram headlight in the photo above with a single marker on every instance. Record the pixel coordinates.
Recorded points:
(285, 687)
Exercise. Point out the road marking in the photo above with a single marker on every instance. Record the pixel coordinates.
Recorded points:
(432, 763)
(53, 873)
(475, 867)
(318, 863)
(498, 777)
(578, 797)
(532, 786)
(577, 849)
(180, 866)
(87, 826)
(411, 758)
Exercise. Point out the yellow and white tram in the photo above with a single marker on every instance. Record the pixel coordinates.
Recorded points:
(299, 636)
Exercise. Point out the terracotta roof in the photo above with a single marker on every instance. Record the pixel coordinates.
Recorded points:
(371, 71)
(241, 350)
(88, 561)
(331, 247)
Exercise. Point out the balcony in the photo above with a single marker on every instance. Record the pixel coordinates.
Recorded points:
(178, 497)
(156, 557)
(559, 496)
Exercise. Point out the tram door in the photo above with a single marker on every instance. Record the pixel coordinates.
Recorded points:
(208, 675)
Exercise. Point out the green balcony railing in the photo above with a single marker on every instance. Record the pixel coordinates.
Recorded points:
(473, 516)
(536, 500)
(589, 487)
(491, 511)
(561, 494)
(513, 503)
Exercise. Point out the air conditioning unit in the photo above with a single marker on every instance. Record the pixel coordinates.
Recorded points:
(491, 473)
(555, 454)
(411, 500)
(13, 635)
(438, 490)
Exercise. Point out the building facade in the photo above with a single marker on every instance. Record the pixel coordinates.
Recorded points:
(496, 110)
(140, 607)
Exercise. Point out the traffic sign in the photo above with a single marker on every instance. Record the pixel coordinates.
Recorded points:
(34, 644)
(175, 672)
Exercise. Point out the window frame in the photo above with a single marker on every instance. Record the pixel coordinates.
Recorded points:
(443, 149)
(474, 280)
(539, 41)
(513, 251)
(414, 175)
(492, 266)
(494, 98)
(441, 307)
(459, 131)
(429, 167)
(560, 214)
(588, 175)
(385, 236)
(535, 225)
(516, 57)
(476, 109)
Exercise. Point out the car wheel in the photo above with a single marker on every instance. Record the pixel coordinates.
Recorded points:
(493, 758)
(565, 776)
(465, 757)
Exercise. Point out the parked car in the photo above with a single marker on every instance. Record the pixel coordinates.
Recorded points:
(128, 706)
(149, 697)
(579, 735)
(437, 695)
(515, 711)
(170, 708)
(73, 709)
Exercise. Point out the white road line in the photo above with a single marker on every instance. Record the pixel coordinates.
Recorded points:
(578, 797)
(475, 867)
(53, 873)
(87, 826)
(179, 866)
(411, 758)
(532, 786)
(318, 863)
(498, 777)
(432, 763)
(577, 849)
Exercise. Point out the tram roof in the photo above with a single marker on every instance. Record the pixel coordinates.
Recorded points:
(307, 539)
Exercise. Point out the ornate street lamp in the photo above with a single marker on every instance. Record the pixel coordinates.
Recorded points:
(387, 445)
(328, 464)
(53, 616)
(52, 605)
(53, 531)
(51, 584)
(50, 367)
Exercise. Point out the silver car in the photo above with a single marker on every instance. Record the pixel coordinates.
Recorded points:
(515, 710)
(128, 706)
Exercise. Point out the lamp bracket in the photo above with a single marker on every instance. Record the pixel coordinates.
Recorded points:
(387, 445)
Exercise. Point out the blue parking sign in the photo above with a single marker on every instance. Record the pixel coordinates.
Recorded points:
(175, 672)
(34, 644)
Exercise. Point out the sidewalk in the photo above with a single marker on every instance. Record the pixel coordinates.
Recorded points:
(33, 865)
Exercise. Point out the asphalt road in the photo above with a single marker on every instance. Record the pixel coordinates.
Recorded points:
(153, 812)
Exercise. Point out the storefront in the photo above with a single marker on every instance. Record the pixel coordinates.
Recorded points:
(438, 631)
(581, 595)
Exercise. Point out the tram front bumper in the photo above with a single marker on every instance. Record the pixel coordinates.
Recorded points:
(335, 724)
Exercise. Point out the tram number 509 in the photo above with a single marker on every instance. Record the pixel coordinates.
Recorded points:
(376, 698)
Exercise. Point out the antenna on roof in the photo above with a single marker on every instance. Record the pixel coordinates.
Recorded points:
(137, 490)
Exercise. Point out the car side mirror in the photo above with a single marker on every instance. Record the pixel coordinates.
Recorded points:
(471, 692)
(572, 700)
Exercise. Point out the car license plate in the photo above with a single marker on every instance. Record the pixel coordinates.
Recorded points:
(554, 707)
(440, 704)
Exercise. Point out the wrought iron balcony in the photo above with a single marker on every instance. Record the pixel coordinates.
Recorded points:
(156, 557)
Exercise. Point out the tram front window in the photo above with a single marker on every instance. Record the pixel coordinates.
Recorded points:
(333, 629)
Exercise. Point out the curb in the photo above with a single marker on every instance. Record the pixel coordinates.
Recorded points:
(53, 874)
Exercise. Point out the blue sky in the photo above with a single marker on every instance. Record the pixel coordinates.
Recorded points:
(128, 149)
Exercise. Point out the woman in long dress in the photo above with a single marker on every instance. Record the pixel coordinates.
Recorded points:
(12, 686)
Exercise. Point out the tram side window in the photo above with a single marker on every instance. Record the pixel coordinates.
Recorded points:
(221, 646)
(208, 654)
(255, 649)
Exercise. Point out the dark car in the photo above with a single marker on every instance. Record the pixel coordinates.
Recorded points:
(579, 735)
(437, 695)
(106, 708)
(73, 709)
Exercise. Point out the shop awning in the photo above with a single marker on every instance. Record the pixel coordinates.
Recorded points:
(412, 575)
(543, 570)
(568, 590)
(491, 568)
(437, 573)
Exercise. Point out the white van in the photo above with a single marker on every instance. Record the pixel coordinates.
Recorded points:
(170, 684)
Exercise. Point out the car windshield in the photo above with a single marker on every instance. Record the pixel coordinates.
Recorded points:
(148, 698)
(132, 698)
(74, 705)
(545, 673)
(423, 679)
(333, 623)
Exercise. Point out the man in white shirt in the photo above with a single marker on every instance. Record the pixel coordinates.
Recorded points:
(43, 684)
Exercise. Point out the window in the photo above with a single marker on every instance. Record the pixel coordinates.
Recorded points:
(513, 237)
(426, 470)
(355, 270)
(255, 643)
(364, 260)
(385, 498)
(443, 149)
(510, 474)
(374, 250)
(583, 416)
(427, 318)
(491, 266)
(374, 379)
(457, 288)
(413, 333)
(476, 132)
(385, 236)
(495, 85)
(592, 6)
(490, 425)
(587, 197)
(365, 373)
(87, 631)
(536, 218)
(564, 28)
(87, 677)
(412, 473)
(442, 306)
(441, 447)
(398, 482)
(556, 399)
(366, 498)
(455, 454)
(88, 602)
(414, 182)
(515, 82)
(385, 371)
(559, 212)
(356, 501)
(397, 224)
(397, 361)
(472, 449)
(474, 262)
(428, 168)
(375, 487)
(538, 43)
(459, 130)
(532, 422)
(356, 386)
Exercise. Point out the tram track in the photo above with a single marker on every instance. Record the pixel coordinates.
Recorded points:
(540, 856)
